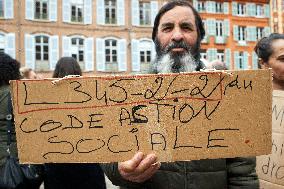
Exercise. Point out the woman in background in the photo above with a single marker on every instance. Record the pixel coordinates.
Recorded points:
(72, 175)
(270, 52)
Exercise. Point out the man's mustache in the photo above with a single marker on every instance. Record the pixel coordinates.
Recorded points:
(174, 45)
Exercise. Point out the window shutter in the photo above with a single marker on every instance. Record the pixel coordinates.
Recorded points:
(248, 9)
(88, 7)
(214, 54)
(213, 6)
(195, 4)
(228, 58)
(249, 33)
(30, 51)
(10, 45)
(154, 11)
(245, 58)
(235, 8)
(208, 6)
(253, 10)
(211, 26)
(226, 27)
(236, 33)
(135, 12)
(254, 61)
(236, 60)
(100, 12)
(100, 54)
(120, 13)
(53, 51)
(135, 55)
(66, 11)
(52, 10)
(226, 7)
(267, 11)
(29, 9)
(66, 51)
(9, 9)
(266, 31)
(253, 33)
(122, 62)
(153, 51)
(89, 54)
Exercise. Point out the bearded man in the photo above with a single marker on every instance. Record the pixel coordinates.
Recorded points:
(177, 33)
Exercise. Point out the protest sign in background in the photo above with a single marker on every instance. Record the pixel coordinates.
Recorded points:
(178, 116)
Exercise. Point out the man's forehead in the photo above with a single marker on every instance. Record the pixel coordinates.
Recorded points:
(179, 14)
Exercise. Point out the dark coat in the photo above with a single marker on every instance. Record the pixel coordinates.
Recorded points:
(233, 173)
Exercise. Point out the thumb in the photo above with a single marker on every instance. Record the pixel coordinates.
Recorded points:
(130, 165)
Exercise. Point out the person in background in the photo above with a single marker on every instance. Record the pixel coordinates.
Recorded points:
(72, 175)
(9, 70)
(270, 52)
(28, 73)
(177, 33)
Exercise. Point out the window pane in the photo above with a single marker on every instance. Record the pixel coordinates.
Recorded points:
(45, 49)
(45, 56)
(81, 42)
(81, 56)
(38, 49)
(107, 52)
(113, 43)
(74, 56)
(38, 56)
(114, 58)
(73, 11)
(107, 58)
(107, 43)
(37, 39)
(1, 8)
(45, 39)
(113, 52)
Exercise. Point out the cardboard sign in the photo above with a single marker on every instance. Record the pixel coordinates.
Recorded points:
(178, 116)
(271, 167)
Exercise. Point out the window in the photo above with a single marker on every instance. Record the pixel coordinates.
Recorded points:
(77, 50)
(219, 7)
(41, 11)
(220, 55)
(274, 4)
(201, 6)
(77, 11)
(219, 28)
(241, 33)
(241, 9)
(110, 11)
(241, 60)
(259, 10)
(145, 55)
(2, 43)
(259, 33)
(111, 55)
(145, 13)
(203, 54)
(41, 52)
(1, 8)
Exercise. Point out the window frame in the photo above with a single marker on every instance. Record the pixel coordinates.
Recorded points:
(2, 12)
(146, 18)
(79, 47)
(219, 24)
(219, 7)
(241, 33)
(201, 6)
(241, 9)
(110, 9)
(111, 48)
(76, 17)
(40, 15)
(221, 55)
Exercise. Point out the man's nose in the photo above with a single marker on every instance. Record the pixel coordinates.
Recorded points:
(177, 35)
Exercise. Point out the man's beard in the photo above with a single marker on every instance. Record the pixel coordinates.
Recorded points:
(167, 61)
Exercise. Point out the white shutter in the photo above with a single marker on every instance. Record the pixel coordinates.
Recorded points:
(88, 5)
(234, 8)
(52, 10)
(66, 11)
(100, 54)
(153, 51)
(89, 54)
(10, 45)
(135, 12)
(245, 58)
(211, 26)
(266, 31)
(195, 4)
(66, 48)
(236, 60)
(30, 51)
(122, 62)
(9, 9)
(154, 11)
(120, 12)
(100, 12)
(267, 10)
(29, 9)
(254, 61)
(135, 55)
(226, 7)
(226, 27)
(228, 58)
(53, 51)
(236, 33)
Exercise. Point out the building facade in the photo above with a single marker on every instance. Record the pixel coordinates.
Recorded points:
(277, 16)
(114, 36)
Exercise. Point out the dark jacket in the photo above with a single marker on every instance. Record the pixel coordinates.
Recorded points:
(233, 173)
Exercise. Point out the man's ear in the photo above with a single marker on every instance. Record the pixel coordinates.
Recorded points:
(262, 64)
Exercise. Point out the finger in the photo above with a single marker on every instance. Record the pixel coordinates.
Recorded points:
(130, 165)
(146, 163)
(148, 173)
